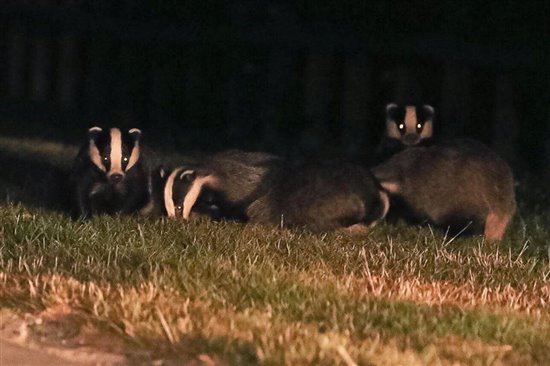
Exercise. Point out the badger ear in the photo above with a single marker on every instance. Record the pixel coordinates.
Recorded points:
(135, 133)
(93, 132)
(429, 110)
(391, 107)
(391, 111)
(187, 175)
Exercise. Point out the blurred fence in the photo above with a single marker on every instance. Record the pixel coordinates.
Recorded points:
(270, 82)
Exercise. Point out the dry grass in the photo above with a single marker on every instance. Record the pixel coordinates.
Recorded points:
(224, 293)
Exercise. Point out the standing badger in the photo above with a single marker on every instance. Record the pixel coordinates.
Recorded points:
(406, 126)
(319, 196)
(458, 184)
(109, 175)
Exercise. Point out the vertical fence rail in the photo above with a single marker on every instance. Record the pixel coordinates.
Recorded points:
(257, 89)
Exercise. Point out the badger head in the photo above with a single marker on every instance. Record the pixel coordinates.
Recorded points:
(411, 125)
(114, 152)
(182, 190)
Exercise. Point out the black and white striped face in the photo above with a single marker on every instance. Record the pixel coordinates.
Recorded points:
(114, 151)
(182, 190)
(409, 124)
(179, 188)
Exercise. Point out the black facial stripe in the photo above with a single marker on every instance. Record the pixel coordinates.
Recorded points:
(397, 114)
(128, 144)
(103, 144)
(422, 114)
(403, 130)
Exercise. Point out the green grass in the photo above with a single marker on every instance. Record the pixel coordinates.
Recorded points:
(247, 294)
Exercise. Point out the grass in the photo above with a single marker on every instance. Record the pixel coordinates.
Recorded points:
(247, 294)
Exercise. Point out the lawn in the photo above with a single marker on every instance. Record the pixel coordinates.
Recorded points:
(208, 292)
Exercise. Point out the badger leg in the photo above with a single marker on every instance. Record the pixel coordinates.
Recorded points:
(495, 226)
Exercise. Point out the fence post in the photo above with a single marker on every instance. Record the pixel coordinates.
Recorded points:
(17, 50)
(41, 65)
(98, 79)
(68, 66)
(278, 85)
(405, 87)
(456, 100)
(318, 95)
(355, 103)
(505, 132)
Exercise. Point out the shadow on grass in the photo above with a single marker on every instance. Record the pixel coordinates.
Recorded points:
(34, 183)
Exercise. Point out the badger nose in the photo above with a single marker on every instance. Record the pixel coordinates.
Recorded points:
(116, 177)
(411, 139)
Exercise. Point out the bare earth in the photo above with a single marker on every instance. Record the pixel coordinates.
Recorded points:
(20, 345)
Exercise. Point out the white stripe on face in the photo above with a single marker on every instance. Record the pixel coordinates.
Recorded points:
(168, 196)
(195, 191)
(410, 119)
(427, 130)
(391, 187)
(116, 152)
(134, 156)
(391, 130)
(95, 156)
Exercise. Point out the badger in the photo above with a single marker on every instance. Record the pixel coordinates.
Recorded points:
(460, 185)
(243, 175)
(406, 126)
(319, 196)
(109, 174)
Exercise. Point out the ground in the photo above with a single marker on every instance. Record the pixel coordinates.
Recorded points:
(128, 290)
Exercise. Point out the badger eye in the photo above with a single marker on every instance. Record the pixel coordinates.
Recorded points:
(401, 126)
(106, 158)
(179, 208)
(419, 126)
(125, 159)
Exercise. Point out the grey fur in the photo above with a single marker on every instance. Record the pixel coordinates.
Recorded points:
(451, 184)
(263, 188)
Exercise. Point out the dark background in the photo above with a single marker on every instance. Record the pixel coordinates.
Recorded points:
(295, 78)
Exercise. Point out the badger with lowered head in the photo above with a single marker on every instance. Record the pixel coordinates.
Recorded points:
(109, 174)
(406, 126)
(459, 184)
(319, 196)
(229, 182)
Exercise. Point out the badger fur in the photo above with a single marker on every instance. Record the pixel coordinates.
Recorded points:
(406, 126)
(109, 174)
(322, 196)
(457, 184)
(227, 182)
(261, 188)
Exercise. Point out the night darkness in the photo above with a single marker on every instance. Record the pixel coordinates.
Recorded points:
(295, 78)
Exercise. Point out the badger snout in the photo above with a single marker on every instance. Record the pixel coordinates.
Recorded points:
(411, 139)
(116, 178)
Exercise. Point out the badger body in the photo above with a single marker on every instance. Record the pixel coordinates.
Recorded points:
(321, 196)
(262, 188)
(406, 126)
(459, 184)
(109, 174)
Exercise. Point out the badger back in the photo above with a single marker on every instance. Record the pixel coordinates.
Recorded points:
(243, 176)
(114, 152)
